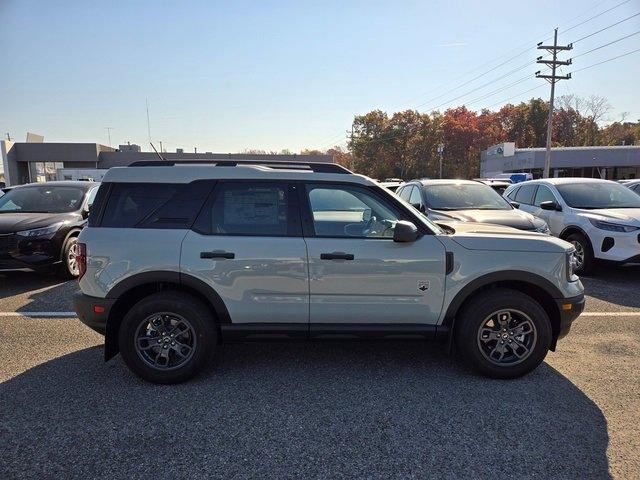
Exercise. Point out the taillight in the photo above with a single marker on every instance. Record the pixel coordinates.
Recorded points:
(81, 259)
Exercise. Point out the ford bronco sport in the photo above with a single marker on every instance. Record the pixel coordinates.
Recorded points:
(179, 257)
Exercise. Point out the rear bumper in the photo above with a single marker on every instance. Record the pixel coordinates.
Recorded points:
(85, 307)
(570, 309)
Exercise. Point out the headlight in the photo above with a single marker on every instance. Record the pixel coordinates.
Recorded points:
(612, 227)
(40, 232)
(544, 228)
(571, 265)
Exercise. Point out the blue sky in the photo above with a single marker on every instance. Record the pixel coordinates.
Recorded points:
(227, 76)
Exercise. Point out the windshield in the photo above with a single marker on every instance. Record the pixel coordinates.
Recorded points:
(465, 197)
(42, 199)
(597, 195)
(435, 228)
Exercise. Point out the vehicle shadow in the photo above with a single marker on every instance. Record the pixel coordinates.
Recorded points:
(614, 284)
(44, 292)
(301, 410)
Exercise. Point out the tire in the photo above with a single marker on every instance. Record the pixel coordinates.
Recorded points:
(149, 350)
(582, 243)
(527, 317)
(69, 269)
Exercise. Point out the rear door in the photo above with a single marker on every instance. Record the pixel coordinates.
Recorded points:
(357, 273)
(554, 219)
(247, 245)
(524, 197)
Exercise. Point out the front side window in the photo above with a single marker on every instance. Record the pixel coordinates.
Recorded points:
(543, 194)
(351, 212)
(464, 196)
(598, 195)
(42, 199)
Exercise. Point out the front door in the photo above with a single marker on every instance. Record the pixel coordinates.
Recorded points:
(247, 245)
(357, 273)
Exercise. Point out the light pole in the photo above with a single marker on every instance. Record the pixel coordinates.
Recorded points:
(440, 153)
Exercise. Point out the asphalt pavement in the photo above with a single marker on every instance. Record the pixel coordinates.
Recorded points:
(318, 409)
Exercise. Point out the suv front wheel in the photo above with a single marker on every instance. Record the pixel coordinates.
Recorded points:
(503, 333)
(167, 337)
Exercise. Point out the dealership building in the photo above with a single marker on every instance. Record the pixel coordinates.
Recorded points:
(610, 162)
(26, 162)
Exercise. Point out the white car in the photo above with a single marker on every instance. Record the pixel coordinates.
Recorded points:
(600, 218)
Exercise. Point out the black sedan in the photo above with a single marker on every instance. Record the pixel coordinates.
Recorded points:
(39, 225)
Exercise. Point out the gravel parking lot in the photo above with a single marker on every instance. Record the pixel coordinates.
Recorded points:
(318, 410)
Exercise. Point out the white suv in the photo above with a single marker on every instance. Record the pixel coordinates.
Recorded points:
(177, 258)
(600, 218)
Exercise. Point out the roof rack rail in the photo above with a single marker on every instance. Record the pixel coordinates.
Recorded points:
(316, 167)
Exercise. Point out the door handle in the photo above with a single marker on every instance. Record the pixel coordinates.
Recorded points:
(336, 256)
(217, 254)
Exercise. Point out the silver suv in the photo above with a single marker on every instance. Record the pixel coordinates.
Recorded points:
(179, 257)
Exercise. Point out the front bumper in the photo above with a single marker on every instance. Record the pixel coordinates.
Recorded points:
(17, 253)
(85, 307)
(615, 247)
(570, 309)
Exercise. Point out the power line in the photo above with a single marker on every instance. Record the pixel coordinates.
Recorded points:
(516, 95)
(607, 44)
(595, 16)
(607, 60)
(518, 55)
(606, 28)
(506, 87)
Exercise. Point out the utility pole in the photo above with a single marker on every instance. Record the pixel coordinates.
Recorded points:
(108, 129)
(552, 79)
(8, 136)
(440, 154)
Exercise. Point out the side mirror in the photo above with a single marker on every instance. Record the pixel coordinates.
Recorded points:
(515, 204)
(550, 205)
(405, 232)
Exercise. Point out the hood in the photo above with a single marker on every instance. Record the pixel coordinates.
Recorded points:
(15, 222)
(625, 215)
(509, 218)
(481, 236)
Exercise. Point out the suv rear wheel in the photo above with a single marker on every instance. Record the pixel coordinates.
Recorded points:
(167, 337)
(503, 333)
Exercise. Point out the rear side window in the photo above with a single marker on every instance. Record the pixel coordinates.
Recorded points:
(244, 208)
(154, 205)
(512, 194)
(525, 194)
(406, 193)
